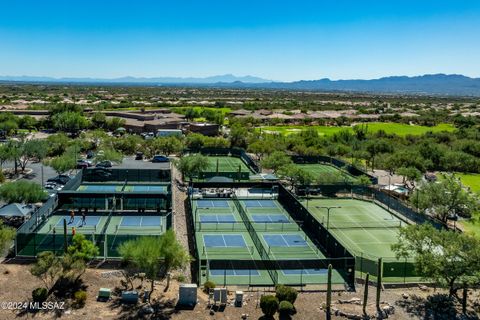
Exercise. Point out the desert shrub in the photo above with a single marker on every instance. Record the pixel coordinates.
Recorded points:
(208, 285)
(285, 293)
(79, 298)
(286, 307)
(181, 278)
(269, 305)
(39, 294)
(440, 305)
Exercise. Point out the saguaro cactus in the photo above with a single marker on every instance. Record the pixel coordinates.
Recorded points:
(365, 294)
(379, 283)
(329, 290)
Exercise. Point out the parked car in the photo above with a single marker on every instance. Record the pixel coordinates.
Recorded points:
(148, 135)
(81, 163)
(159, 158)
(60, 179)
(104, 164)
(53, 186)
(139, 156)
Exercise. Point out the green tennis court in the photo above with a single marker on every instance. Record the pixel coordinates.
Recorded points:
(227, 164)
(361, 226)
(327, 172)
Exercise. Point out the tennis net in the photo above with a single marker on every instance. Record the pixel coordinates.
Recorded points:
(367, 225)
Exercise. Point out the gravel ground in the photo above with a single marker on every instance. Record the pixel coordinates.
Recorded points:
(16, 285)
(179, 217)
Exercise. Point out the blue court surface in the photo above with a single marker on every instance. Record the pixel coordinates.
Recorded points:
(296, 272)
(269, 218)
(234, 272)
(217, 218)
(285, 240)
(212, 204)
(144, 188)
(225, 240)
(141, 221)
(259, 204)
(90, 221)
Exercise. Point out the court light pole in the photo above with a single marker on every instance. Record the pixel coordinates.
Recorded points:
(328, 212)
(389, 184)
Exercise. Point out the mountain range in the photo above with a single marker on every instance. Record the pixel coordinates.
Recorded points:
(431, 84)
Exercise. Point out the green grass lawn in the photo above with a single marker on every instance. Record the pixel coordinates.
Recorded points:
(390, 128)
(182, 110)
(470, 180)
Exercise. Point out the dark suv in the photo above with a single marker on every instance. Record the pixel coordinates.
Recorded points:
(160, 159)
(60, 179)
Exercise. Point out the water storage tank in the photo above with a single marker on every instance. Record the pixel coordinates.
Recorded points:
(187, 294)
(130, 297)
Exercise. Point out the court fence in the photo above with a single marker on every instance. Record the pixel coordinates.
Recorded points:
(394, 270)
(30, 245)
(354, 171)
(26, 232)
(116, 174)
(234, 175)
(290, 272)
(256, 240)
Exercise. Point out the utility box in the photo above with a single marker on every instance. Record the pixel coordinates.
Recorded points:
(104, 294)
(238, 298)
(187, 294)
(220, 295)
(130, 297)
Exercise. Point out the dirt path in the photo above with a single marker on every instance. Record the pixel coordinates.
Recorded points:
(179, 217)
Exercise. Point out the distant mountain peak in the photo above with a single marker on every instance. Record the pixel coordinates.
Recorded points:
(428, 84)
(227, 78)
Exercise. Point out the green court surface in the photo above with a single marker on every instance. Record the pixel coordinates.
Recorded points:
(261, 277)
(327, 172)
(363, 227)
(237, 277)
(226, 164)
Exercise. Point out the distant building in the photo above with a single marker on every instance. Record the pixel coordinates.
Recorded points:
(207, 129)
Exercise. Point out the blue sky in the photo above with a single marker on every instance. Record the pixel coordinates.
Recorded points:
(279, 40)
